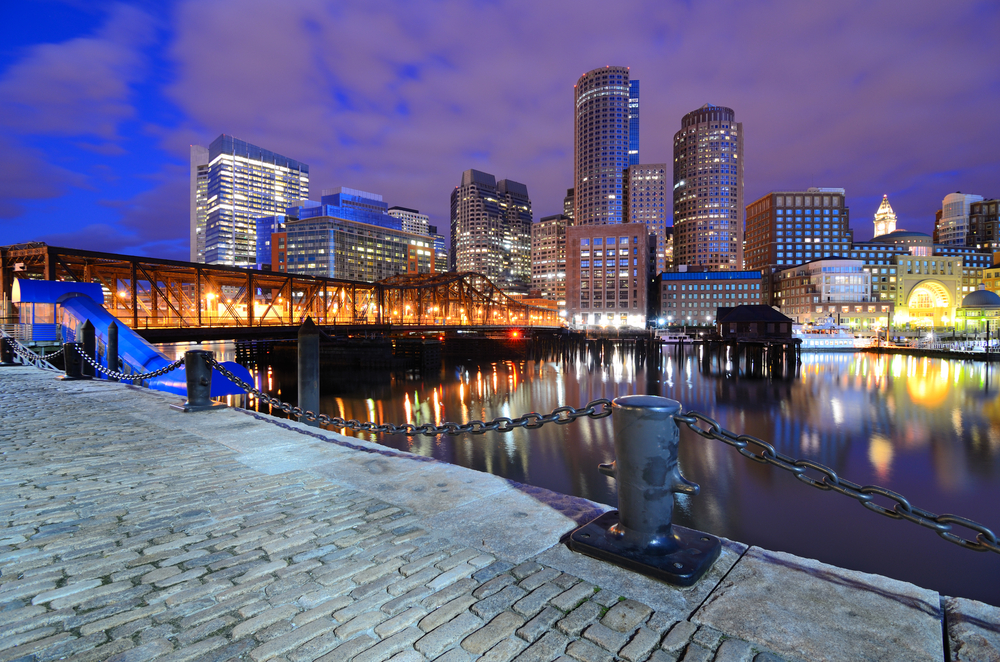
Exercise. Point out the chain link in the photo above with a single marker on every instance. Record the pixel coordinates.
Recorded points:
(827, 479)
(561, 415)
(134, 377)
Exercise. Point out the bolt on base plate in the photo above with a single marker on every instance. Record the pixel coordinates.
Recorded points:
(694, 556)
(190, 408)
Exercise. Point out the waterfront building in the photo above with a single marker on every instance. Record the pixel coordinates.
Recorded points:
(752, 322)
(835, 288)
(600, 144)
(885, 218)
(991, 274)
(568, 203)
(953, 224)
(979, 313)
(548, 258)
(984, 225)
(266, 227)
(708, 189)
(491, 230)
(233, 183)
(633, 122)
(645, 201)
(694, 297)
(411, 220)
(928, 289)
(606, 275)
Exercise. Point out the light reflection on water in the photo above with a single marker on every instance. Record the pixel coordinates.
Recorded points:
(927, 428)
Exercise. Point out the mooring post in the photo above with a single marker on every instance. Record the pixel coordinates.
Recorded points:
(198, 374)
(6, 352)
(88, 344)
(112, 350)
(309, 369)
(73, 360)
(639, 535)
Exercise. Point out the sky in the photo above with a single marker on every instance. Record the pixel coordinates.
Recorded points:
(101, 101)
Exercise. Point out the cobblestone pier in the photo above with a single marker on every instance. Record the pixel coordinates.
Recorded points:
(131, 531)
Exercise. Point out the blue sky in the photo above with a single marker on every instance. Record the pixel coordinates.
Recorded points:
(100, 101)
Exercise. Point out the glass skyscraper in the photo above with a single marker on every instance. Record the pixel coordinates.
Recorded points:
(233, 183)
(633, 122)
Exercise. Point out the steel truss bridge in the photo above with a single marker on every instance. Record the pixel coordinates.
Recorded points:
(150, 295)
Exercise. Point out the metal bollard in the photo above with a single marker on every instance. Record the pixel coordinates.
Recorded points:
(639, 535)
(308, 347)
(73, 360)
(6, 352)
(198, 372)
(111, 350)
(88, 342)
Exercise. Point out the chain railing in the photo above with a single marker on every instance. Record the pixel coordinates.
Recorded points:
(764, 453)
(28, 356)
(600, 408)
(131, 377)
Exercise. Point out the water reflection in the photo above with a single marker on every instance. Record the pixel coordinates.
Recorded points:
(927, 428)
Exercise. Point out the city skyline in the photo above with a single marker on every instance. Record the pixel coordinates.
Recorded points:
(99, 104)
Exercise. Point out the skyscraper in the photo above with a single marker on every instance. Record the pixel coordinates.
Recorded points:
(954, 223)
(491, 230)
(708, 189)
(646, 202)
(548, 258)
(601, 139)
(233, 183)
(633, 122)
(413, 221)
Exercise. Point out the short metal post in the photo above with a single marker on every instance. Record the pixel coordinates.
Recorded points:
(6, 352)
(88, 343)
(639, 535)
(73, 360)
(198, 372)
(309, 369)
(111, 350)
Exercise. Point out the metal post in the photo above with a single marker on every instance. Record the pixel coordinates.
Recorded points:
(309, 369)
(73, 360)
(6, 352)
(112, 350)
(88, 344)
(198, 372)
(639, 535)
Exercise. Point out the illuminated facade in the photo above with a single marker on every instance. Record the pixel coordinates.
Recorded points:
(646, 202)
(885, 218)
(693, 298)
(233, 183)
(601, 139)
(831, 288)
(633, 122)
(411, 220)
(606, 275)
(928, 289)
(708, 189)
(953, 225)
(491, 230)
(548, 258)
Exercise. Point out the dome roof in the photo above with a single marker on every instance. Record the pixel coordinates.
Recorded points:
(981, 299)
(901, 234)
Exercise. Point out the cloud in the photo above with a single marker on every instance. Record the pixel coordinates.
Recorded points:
(26, 174)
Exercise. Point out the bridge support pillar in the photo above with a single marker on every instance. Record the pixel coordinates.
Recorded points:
(308, 346)
(198, 373)
(639, 535)
(73, 360)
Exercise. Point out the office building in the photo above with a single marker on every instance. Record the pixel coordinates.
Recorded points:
(693, 298)
(984, 225)
(491, 230)
(885, 218)
(548, 258)
(831, 288)
(708, 190)
(790, 227)
(350, 205)
(440, 252)
(601, 139)
(633, 122)
(411, 219)
(645, 200)
(233, 183)
(568, 203)
(953, 225)
(606, 275)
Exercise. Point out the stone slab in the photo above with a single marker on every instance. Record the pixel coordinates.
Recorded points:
(973, 630)
(803, 609)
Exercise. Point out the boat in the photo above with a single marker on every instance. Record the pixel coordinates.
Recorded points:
(828, 336)
(668, 337)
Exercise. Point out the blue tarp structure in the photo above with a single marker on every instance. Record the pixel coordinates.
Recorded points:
(78, 302)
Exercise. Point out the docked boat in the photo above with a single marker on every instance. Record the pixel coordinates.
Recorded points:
(828, 337)
(668, 337)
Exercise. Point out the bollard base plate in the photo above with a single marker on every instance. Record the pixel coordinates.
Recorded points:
(695, 554)
(185, 407)
(67, 378)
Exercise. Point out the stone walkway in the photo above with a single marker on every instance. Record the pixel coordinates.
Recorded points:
(132, 532)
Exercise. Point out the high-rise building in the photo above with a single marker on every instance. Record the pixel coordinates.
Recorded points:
(412, 220)
(491, 230)
(885, 218)
(953, 226)
(548, 258)
(708, 189)
(646, 201)
(600, 144)
(568, 203)
(633, 122)
(984, 225)
(440, 252)
(606, 274)
(351, 205)
(233, 183)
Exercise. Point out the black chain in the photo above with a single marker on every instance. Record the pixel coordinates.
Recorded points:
(28, 355)
(763, 452)
(560, 415)
(134, 377)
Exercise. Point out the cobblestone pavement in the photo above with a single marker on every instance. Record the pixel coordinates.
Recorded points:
(128, 535)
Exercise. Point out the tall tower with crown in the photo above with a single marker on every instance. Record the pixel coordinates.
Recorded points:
(885, 218)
